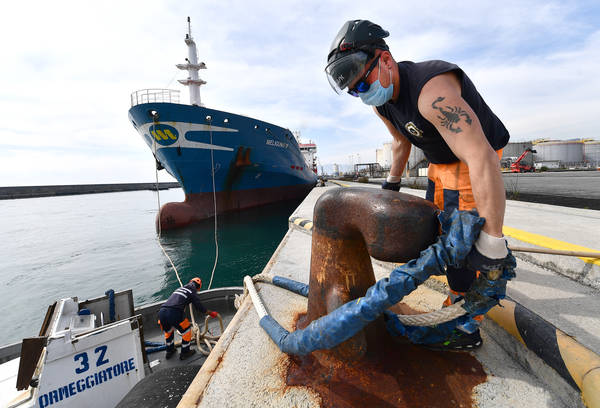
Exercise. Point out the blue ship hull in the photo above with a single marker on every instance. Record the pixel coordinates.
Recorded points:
(254, 162)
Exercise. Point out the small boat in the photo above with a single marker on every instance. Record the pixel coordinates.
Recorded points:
(93, 353)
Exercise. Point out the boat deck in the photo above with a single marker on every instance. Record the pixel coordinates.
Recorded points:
(167, 380)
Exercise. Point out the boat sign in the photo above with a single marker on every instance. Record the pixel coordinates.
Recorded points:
(96, 369)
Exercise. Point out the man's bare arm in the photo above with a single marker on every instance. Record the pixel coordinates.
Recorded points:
(400, 147)
(441, 103)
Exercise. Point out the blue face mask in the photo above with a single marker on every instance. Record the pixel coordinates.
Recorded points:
(377, 95)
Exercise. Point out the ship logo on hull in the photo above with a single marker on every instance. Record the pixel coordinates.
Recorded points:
(164, 135)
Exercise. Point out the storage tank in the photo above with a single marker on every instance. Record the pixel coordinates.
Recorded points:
(567, 152)
(387, 155)
(416, 158)
(591, 153)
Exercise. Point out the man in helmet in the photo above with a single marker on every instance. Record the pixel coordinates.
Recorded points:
(172, 316)
(435, 106)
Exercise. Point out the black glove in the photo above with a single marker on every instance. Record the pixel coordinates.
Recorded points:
(390, 186)
(491, 268)
(490, 286)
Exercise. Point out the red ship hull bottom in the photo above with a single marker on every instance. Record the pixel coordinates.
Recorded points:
(200, 206)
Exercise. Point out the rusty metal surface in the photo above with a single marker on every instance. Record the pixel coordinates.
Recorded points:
(350, 225)
(237, 167)
(371, 369)
(394, 374)
(395, 226)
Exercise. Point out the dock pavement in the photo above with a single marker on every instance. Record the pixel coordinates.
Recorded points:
(578, 189)
(540, 348)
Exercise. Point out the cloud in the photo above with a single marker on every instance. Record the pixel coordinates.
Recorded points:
(553, 96)
(20, 166)
(72, 66)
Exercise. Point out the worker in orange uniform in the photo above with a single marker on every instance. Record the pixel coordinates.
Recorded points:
(435, 106)
(172, 316)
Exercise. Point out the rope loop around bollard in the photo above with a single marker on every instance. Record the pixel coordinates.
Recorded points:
(434, 318)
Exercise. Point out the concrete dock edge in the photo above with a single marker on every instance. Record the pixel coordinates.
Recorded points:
(575, 363)
(301, 223)
(193, 395)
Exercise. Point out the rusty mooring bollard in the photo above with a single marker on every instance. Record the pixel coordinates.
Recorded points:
(349, 226)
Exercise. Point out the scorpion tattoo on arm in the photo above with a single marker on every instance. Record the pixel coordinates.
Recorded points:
(451, 115)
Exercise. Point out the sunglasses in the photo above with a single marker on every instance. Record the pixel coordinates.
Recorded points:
(362, 85)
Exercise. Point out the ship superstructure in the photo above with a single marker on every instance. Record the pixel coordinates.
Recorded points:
(309, 151)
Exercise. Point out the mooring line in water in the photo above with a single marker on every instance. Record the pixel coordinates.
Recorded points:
(212, 168)
(159, 227)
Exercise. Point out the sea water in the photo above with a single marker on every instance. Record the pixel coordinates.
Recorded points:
(83, 245)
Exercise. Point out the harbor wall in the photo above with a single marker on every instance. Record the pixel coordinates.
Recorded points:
(8, 193)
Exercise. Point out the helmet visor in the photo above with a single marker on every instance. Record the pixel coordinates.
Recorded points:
(343, 71)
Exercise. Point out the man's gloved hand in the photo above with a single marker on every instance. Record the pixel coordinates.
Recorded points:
(491, 268)
(391, 183)
(487, 255)
(495, 264)
(212, 314)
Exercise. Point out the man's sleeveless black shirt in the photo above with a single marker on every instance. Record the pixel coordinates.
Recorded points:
(404, 113)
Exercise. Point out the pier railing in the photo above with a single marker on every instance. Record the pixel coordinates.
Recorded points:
(154, 95)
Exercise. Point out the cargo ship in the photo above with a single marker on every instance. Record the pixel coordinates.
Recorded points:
(223, 161)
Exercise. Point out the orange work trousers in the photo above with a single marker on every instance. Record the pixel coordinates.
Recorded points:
(449, 188)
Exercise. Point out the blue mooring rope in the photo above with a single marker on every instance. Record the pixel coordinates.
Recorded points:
(459, 231)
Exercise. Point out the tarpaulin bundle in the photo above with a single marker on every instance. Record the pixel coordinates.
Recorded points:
(153, 347)
(460, 229)
(111, 304)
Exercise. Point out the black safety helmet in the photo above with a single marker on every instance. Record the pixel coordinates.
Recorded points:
(350, 50)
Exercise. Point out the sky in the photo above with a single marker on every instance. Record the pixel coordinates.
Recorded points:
(68, 69)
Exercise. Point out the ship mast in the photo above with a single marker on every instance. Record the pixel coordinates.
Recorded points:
(192, 66)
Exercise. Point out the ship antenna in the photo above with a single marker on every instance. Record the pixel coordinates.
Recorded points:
(192, 66)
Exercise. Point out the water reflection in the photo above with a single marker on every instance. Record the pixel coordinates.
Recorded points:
(246, 241)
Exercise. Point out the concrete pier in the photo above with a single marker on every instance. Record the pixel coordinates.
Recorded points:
(540, 349)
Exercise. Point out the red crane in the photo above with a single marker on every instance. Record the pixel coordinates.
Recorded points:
(517, 167)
